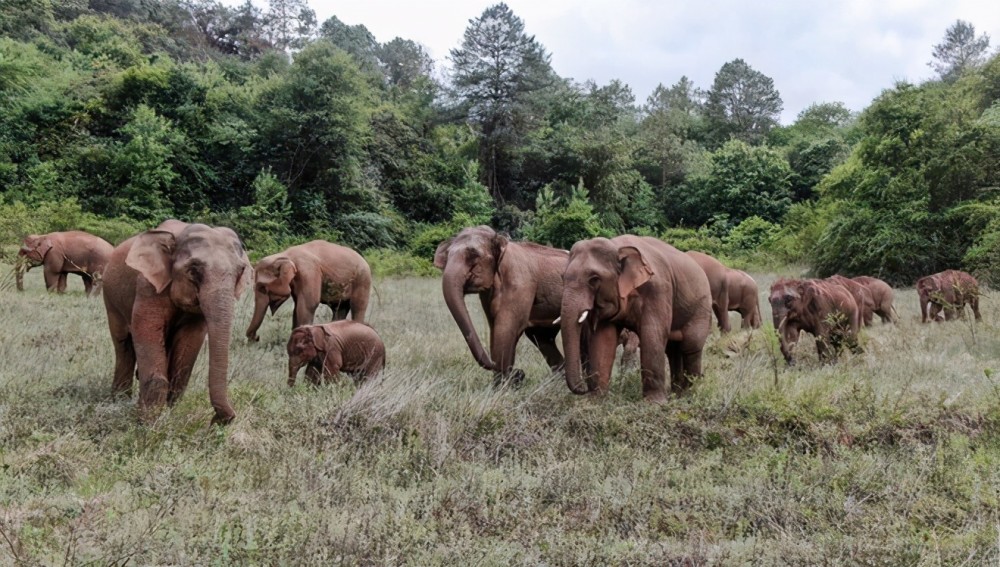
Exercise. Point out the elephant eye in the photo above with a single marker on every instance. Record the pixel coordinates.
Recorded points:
(594, 279)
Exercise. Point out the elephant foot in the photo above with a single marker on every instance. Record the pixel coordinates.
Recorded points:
(223, 417)
(514, 379)
(658, 398)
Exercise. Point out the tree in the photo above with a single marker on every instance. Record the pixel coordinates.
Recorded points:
(290, 23)
(405, 63)
(960, 51)
(742, 104)
(356, 40)
(671, 120)
(495, 69)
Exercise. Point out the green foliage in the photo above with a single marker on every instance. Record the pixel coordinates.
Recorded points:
(561, 225)
(742, 104)
(751, 235)
(18, 219)
(700, 240)
(388, 263)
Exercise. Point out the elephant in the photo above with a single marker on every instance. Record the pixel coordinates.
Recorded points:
(718, 280)
(165, 290)
(824, 309)
(332, 348)
(64, 253)
(882, 296)
(646, 286)
(744, 298)
(945, 294)
(311, 273)
(520, 287)
(862, 296)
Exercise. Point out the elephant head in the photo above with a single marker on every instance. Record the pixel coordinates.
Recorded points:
(786, 301)
(272, 288)
(35, 247)
(931, 294)
(305, 344)
(597, 284)
(206, 270)
(470, 261)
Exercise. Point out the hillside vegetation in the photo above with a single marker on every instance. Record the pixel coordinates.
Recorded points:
(285, 128)
(886, 458)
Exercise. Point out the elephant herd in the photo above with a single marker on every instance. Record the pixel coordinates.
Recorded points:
(169, 289)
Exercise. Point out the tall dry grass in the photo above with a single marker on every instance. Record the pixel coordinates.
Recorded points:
(889, 457)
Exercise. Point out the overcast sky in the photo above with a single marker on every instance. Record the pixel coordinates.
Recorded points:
(815, 51)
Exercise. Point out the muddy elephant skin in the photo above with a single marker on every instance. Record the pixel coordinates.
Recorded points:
(329, 349)
(64, 253)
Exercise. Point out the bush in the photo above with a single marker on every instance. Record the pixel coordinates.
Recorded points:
(563, 226)
(387, 263)
(685, 239)
(752, 235)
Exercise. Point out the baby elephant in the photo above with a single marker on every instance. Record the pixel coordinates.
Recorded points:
(328, 349)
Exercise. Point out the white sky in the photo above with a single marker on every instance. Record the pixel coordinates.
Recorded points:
(814, 50)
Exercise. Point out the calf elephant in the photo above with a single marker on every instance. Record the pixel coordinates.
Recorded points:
(165, 290)
(718, 280)
(311, 273)
(328, 350)
(946, 293)
(882, 296)
(520, 287)
(862, 296)
(64, 253)
(744, 298)
(822, 308)
(646, 286)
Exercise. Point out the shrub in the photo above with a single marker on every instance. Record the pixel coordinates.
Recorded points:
(685, 239)
(386, 263)
(752, 235)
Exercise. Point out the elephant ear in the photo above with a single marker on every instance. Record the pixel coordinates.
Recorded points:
(152, 256)
(44, 247)
(441, 254)
(634, 271)
(245, 279)
(319, 333)
(500, 242)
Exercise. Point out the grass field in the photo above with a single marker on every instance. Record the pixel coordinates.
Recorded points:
(887, 458)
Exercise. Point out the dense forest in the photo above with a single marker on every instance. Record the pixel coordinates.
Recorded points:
(116, 114)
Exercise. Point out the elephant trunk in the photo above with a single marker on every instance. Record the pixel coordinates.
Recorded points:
(453, 285)
(217, 306)
(572, 317)
(294, 364)
(260, 301)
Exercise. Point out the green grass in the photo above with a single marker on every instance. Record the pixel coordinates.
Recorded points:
(889, 457)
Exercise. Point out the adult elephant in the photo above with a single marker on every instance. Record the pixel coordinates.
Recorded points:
(862, 296)
(946, 294)
(311, 273)
(64, 253)
(822, 308)
(744, 298)
(520, 287)
(718, 281)
(646, 286)
(165, 290)
(882, 296)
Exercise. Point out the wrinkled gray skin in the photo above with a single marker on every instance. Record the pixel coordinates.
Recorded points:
(646, 286)
(329, 349)
(165, 290)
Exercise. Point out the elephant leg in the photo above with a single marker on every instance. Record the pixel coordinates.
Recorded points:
(124, 356)
(184, 348)
(88, 284)
(675, 360)
(652, 359)
(332, 364)
(61, 285)
(974, 304)
(603, 347)
(51, 280)
(503, 344)
(359, 306)
(314, 373)
(544, 339)
(721, 310)
(305, 312)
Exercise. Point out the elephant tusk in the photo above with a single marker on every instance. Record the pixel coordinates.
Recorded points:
(583, 317)
(556, 322)
(781, 325)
